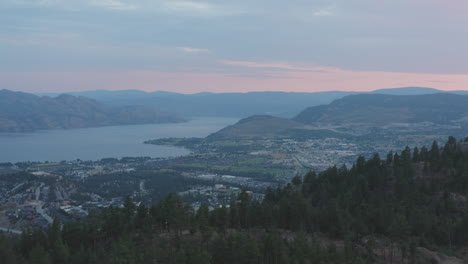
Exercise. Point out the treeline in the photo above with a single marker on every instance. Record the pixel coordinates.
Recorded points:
(11, 179)
(378, 211)
(167, 232)
(158, 184)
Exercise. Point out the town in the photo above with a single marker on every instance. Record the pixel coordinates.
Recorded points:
(214, 174)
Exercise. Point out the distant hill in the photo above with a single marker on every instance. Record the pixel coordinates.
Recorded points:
(26, 112)
(415, 91)
(408, 91)
(282, 104)
(241, 105)
(257, 127)
(370, 109)
(270, 127)
(442, 108)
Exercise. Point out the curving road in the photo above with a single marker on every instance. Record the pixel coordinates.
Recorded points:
(39, 209)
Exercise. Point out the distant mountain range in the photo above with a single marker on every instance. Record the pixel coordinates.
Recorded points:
(238, 105)
(21, 112)
(281, 104)
(366, 110)
(24, 112)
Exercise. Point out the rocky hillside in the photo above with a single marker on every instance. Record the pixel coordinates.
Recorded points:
(20, 112)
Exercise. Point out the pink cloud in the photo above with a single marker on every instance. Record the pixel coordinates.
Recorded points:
(193, 50)
(292, 79)
(275, 65)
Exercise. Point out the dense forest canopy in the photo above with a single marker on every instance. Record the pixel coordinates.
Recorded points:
(399, 209)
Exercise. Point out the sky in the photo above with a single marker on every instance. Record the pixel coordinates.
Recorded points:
(232, 46)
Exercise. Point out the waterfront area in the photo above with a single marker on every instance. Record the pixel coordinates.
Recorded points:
(211, 172)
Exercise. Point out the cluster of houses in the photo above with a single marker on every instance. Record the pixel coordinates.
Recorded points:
(28, 215)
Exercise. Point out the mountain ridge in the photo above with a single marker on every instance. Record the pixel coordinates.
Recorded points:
(281, 104)
(361, 110)
(21, 112)
(442, 108)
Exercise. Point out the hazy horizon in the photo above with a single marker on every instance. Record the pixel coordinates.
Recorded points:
(222, 92)
(224, 46)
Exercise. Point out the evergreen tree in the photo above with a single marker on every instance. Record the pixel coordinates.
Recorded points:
(243, 207)
(389, 158)
(434, 153)
(129, 207)
(416, 157)
(38, 255)
(424, 154)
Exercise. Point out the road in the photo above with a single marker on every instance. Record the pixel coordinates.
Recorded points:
(16, 187)
(39, 209)
(143, 191)
(9, 230)
(58, 195)
(298, 161)
(38, 191)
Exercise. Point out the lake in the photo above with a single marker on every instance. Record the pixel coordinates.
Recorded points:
(103, 142)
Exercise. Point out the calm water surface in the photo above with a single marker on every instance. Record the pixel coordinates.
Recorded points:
(103, 142)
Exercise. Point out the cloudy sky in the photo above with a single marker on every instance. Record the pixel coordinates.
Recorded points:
(232, 46)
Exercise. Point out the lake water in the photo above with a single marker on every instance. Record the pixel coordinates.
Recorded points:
(103, 142)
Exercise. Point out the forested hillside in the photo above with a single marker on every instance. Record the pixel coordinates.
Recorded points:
(410, 207)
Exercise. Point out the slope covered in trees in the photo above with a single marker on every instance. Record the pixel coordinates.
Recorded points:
(410, 207)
